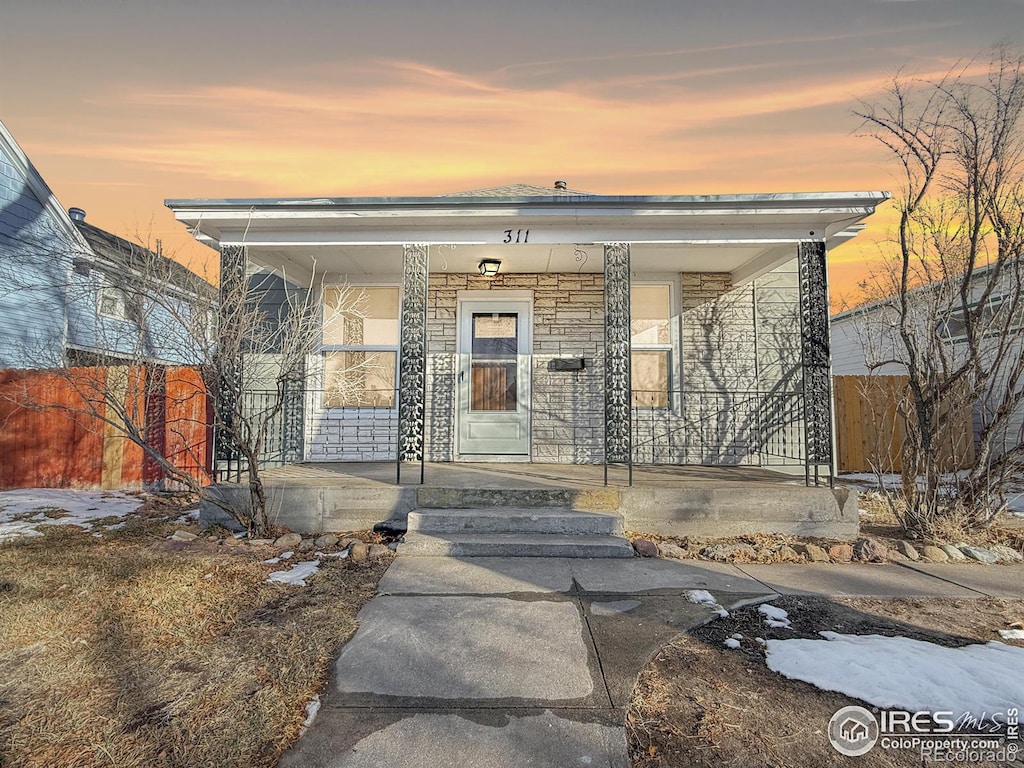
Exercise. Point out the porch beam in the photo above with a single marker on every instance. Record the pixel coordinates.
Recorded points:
(815, 357)
(618, 422)
(412, 365)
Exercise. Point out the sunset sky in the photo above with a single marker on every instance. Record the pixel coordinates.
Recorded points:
(123, 104)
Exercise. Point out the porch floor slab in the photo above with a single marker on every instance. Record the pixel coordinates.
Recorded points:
(515, 476)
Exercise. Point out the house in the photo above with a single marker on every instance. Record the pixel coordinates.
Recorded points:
(75, 294)
(866, 342)
(551, 325)
(93, 328)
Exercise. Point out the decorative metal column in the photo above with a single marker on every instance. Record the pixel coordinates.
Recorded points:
(412, 367)
(618, 421)
(229, 377)
(817, 372)
(293, 420)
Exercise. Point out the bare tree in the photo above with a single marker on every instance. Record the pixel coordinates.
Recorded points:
(949, 287)
(165, 322)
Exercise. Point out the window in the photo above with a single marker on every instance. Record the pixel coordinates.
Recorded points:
(651, 338)
(360, 343)
(111, 303)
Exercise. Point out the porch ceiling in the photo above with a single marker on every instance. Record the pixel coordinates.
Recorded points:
(745, 235)
(386, 260)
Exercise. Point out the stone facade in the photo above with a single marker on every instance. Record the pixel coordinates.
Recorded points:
(568, 321)
(730, 347)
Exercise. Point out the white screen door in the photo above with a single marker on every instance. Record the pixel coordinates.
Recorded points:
(494, 379)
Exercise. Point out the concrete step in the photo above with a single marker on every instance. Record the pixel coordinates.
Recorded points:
(513, 545)
(596, 499)
(514, 520)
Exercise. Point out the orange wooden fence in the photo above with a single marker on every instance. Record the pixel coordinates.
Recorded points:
(870, 430)
(53, 433)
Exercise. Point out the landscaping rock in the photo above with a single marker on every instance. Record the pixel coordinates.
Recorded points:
(980, 554)
(377, 551)
(306, 545)
(954, 554)
(288, 541)
(260, 542)
(841, 553)
(906, 549)
(674, 551)
(358, 552)
(786, 554)
(327, 540)
(727, 552)
(935, 554)
(870, 551)
(813, 552)
(1007, 554)
(183, 536)
(645, 548)
(347, 542)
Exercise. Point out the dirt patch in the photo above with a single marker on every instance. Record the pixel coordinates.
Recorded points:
(699, 704)
(118, 650)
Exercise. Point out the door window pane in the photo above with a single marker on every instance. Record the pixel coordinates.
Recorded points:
(494, 362)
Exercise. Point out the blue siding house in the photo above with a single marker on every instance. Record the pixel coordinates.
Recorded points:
(74, 294)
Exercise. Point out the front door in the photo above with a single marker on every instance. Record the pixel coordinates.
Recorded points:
(494, 379)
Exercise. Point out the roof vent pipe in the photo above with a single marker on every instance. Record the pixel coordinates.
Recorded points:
(561, 185)
(76, 214)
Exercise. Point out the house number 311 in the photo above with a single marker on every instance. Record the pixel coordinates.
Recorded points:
(516, 236)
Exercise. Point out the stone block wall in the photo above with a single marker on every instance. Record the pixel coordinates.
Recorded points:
(568, 321)
(734, 345)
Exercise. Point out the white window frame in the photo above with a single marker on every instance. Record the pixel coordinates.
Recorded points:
(670, 346)
(325, 349)
(111, 292)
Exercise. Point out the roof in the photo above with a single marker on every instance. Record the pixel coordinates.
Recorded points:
(541, 196)
(124, 253)
(521, 190)
(38, 186)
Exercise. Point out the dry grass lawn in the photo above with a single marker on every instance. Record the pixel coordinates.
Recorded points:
(126, 651)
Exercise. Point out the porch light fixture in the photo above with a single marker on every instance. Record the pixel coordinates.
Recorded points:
(489, 267)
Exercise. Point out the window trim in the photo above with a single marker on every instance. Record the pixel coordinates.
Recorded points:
(328, 348)
(668, 347)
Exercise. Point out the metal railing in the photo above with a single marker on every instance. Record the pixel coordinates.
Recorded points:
(712, 427)
(673, 427)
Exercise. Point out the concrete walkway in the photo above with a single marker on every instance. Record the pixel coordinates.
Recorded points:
(531, 661)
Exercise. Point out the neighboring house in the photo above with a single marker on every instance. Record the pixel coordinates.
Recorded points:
(74, 294)
(550, 325)
(866, 340)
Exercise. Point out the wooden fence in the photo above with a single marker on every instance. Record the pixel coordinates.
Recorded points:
(870, 431)
(56, 430)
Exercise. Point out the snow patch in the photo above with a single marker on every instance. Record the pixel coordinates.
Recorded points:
(703, 597)
(898, 672)
(1012, 634)
(774, 616)
(311, 711)
(297, 574)
(81, 508)
(732, 642)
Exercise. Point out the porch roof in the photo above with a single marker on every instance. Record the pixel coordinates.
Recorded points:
(530, 229)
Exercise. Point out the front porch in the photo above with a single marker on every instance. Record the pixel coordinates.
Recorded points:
(666, 500)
